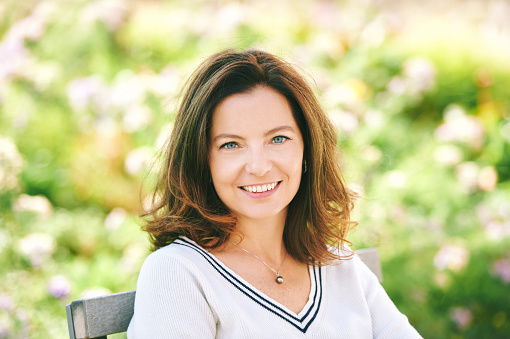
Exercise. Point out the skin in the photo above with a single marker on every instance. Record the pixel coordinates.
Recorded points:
(255, 141)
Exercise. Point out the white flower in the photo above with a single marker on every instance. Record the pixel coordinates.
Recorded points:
(137, 159)
(459, 126)
(346, 121)
(115, 218)
(111, 12)
(396, 178)
(421, 72)
(467, 174)
(37, 247)
(371, 154)
(11, 164)
(453, 257)
(82, 91)
(497, 230)
(448, 155)
(37, 204)
(136, 117)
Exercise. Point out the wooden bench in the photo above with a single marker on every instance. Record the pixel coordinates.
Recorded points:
(100, 316)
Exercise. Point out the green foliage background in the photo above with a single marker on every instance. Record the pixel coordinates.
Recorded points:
(421, 97)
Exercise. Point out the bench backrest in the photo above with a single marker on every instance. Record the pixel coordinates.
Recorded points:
(97, 317)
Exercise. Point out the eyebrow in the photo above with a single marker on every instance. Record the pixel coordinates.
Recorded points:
(271, 131)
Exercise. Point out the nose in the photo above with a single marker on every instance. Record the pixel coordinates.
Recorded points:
(258, 162)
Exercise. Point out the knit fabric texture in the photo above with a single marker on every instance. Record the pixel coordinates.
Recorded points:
(185, 292)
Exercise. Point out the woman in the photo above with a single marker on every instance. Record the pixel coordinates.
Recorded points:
(251, 217)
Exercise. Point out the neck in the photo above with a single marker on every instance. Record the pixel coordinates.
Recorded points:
(263, 238)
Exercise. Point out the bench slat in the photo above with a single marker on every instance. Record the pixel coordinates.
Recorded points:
(100, 316)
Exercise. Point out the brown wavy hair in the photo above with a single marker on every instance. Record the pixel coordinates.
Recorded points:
(185, 201)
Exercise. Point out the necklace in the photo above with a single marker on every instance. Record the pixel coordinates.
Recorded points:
(279, 278)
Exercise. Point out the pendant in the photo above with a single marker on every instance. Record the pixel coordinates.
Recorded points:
(279, 279)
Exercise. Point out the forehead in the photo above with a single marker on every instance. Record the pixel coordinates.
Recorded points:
(258, 109)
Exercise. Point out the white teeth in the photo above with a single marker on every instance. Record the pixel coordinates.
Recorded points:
(260, 189)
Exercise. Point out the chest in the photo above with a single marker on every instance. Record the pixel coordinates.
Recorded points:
(328, 313)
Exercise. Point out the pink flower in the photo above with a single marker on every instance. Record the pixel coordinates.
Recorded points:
(462, 316)
(59, 287)
(502, 269)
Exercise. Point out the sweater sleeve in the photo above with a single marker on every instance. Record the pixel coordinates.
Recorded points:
(387, 321)
(170, 301)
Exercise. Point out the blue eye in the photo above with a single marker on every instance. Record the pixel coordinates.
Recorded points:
(229, 145)
(279, 139)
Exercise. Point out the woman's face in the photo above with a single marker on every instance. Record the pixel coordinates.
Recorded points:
(256, 154)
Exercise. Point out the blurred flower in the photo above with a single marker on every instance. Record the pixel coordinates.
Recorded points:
(165, 84)
(11, 163)
(115, 218)
(396, 178)
(13, 57)
(397, 85)
(467, 174)
(94, 292)
(373, 118)
(421, 72)
(442, 279)
(497, 230)
(448, 155)
(495, 219)
(38, 204)
(126, 90)
(111, 12)
(136, 117)
(82, 91)
(502, 269)
(349, 93)
(228, 17)
(462, 316)
(137, 159)
(483, 212)
(460, 127)
(59, 287)
(371, 154)
(6, 303)
(488, 178)
(374, 33)
(345, 121)
(503, 209)
(133, 257)
(452, 257)
(37, 247)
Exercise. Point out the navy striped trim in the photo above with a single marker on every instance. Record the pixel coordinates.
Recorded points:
(301, 323)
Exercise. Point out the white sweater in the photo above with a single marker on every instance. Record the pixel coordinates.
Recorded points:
(185, 292)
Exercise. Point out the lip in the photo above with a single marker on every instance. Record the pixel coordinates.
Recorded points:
(262, 195)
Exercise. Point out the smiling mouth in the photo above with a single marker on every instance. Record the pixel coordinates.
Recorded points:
(260, 188)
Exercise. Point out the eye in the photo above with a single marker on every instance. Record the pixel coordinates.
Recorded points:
(229, 145)
(279, 139)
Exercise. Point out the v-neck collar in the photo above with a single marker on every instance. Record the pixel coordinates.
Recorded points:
(301, 321)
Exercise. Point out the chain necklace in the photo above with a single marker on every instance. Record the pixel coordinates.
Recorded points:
(279, 278)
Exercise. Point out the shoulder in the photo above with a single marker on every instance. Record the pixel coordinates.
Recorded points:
(349, 265)
(182, 257)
